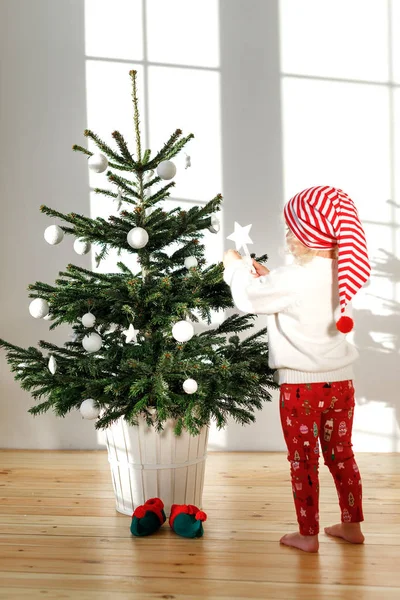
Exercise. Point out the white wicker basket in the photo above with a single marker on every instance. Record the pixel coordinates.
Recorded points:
(146, 464)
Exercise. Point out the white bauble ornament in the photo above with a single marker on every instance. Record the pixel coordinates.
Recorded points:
(82, 246)
(88, 320)
(92, 342)
(137, 237)
(39, 308)
(89, 409)
(98, 163)
(53, 234)
(183, 331)
(166, 169)
(52, 365)
(48, 317)
(190, 386)
(191, 261)
(215, 224)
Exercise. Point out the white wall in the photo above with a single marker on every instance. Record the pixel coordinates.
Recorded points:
(43, 112)
(261, 106)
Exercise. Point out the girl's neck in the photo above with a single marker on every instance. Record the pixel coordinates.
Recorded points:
(332, 253)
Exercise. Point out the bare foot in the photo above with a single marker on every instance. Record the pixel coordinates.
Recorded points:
(351, 532)
(308, 543)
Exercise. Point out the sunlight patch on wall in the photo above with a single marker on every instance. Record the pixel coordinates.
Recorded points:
(376, 428)
(335, 38)
(338, 134)
(189, 99)
(183, 33)
(114, 29)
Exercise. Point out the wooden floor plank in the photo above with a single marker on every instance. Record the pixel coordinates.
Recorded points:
(121, 588)
(61, 538)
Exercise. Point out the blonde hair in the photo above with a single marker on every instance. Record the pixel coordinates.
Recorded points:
(303, 254)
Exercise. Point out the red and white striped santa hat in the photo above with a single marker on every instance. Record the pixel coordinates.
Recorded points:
(322, 218)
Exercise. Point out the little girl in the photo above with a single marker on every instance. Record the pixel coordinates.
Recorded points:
(308, 347)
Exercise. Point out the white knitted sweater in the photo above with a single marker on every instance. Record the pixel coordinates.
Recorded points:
(302, 307)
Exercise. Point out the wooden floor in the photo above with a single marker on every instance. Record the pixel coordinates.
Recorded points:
(60, 536)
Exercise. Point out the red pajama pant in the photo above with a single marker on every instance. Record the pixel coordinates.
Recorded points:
(313, 413)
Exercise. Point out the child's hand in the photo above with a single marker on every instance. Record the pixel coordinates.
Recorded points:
(230, 256)
(260, 269)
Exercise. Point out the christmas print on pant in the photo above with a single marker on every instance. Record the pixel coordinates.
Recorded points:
(310, 413)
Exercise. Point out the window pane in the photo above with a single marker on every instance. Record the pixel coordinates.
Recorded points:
(338, 134)
(335, 38)
(183, 33)
(114, 30)
(189, 100)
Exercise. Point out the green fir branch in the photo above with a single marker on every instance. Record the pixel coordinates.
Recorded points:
(152, 182)
(118, 166)
(136, 118)
(178, 147)
(146, 156)
(164, 150)
(123, 146)
(123, 184)
(104, 147)
(101, 255)
(113, 195)
(77, 148)
(161, 194)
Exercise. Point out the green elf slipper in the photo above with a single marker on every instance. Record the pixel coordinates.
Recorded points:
(148, 517)
(187, 520)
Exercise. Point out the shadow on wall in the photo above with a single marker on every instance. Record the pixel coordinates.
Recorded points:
(377, 338)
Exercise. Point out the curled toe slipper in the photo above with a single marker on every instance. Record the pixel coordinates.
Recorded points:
(187, 520)
(148, 517)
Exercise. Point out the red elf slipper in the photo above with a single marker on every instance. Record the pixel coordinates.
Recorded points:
(148, 517)
(187, 520)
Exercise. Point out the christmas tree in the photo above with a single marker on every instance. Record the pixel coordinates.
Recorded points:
(134, 350)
